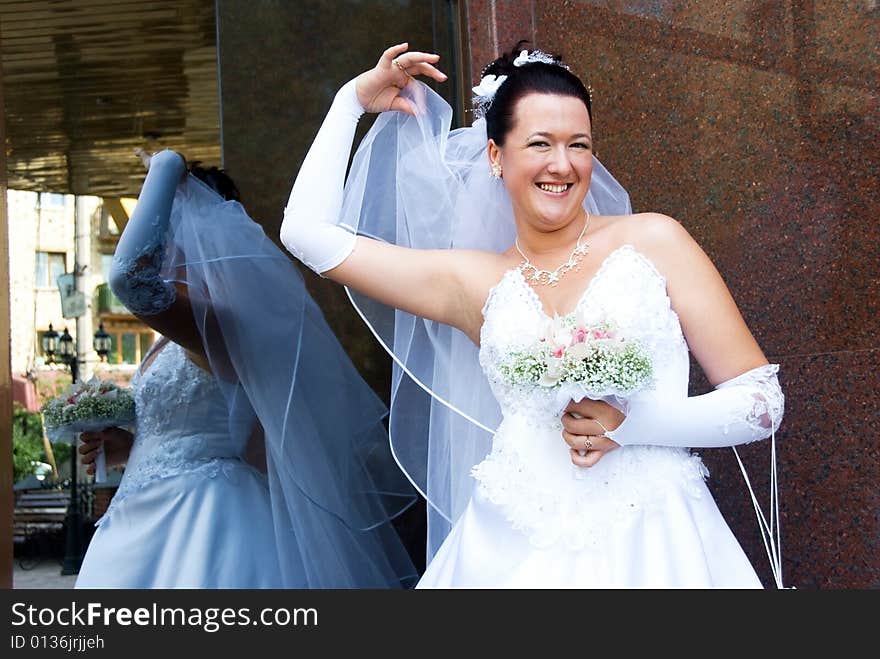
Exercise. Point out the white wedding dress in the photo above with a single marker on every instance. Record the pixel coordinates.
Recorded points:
(189, 512)
(641, 517)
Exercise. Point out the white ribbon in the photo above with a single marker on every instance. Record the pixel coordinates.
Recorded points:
(770, 532)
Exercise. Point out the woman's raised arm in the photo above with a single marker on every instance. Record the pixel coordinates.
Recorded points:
(423, 282)
(135, 274)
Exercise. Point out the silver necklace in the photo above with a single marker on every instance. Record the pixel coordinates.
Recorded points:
(540, 277)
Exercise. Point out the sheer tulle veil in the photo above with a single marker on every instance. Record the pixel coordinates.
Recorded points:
(416, 183)
(333, 483)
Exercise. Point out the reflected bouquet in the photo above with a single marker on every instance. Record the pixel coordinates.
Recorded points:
(88, 406)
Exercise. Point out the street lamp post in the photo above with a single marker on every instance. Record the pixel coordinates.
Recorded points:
(102, 342)
(73, 549)
(67, 352)
(64, 347)
(50, 342)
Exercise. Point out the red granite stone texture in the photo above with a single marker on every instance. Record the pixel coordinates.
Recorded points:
(495, 26)
(515, 23)
(771, 162)
(828, 460)
(755, 124)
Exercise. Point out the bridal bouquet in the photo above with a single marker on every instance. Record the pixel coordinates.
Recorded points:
(596, 357)
(88, 406)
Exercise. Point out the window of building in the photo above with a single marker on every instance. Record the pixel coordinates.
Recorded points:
(49, 266)
(128, 347)
(106, 264)
(51, 200)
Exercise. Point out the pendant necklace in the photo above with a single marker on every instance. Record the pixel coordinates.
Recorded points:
(539, 277)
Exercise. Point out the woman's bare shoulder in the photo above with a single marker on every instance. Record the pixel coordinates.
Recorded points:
(645, 229)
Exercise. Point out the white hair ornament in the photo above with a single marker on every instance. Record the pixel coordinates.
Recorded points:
(484, 93)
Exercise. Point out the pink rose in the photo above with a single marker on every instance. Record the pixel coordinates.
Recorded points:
(558, 352)
(579, 335)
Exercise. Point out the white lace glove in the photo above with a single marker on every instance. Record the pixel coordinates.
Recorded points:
(134, 277)
(744, 409)
(309, 229)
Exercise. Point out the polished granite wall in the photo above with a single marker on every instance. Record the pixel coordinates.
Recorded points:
(755, 124)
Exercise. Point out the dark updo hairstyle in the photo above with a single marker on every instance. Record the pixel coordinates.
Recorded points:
(531, 78)
(216, 179)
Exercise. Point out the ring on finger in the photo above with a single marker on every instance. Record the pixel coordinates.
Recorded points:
(403, 68)
(588, 443)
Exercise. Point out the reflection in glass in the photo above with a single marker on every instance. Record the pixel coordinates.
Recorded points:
(129, 348)
(146, 340)
(47, 268)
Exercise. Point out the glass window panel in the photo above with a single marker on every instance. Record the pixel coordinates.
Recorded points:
(113, 355)
(128, 348)
(57, 266)
(146, 342)
(48, 266)
(106, 264)
(41, 272)
(51, 200)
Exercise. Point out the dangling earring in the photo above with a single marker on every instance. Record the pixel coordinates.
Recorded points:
(496, 170)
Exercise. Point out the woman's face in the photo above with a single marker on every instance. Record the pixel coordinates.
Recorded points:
(547, 159)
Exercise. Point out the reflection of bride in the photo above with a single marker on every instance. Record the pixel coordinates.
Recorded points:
(239, 383)
(527, 488)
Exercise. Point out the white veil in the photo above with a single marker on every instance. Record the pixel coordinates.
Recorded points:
(415, 183)
(334, 486)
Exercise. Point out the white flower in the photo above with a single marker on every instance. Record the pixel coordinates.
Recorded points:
(488, 86)
(556, 334)
(553, 374)
(523, 58)
(578, 351)
(526, 57)
(562, 338)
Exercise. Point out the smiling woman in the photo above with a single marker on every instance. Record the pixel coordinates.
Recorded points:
(546, 161)
(557, 445)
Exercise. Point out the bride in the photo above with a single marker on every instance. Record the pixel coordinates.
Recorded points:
(258, 456)
(489, 241)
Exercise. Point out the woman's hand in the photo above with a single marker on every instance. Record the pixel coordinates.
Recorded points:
(116, 442)
(147, 158)
(379, 88)
(583, 428)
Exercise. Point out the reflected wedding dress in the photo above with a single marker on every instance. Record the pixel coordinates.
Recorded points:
(641, 517)
(189, 512)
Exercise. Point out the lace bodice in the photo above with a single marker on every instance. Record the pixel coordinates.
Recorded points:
(182, 425)
(626, 289)
(529, 471)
